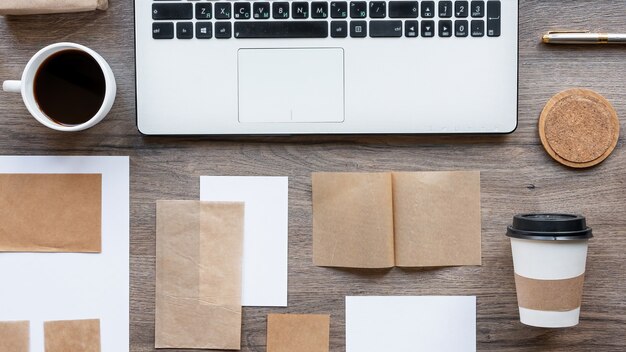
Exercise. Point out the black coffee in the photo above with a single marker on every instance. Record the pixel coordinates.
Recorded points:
(70, 87)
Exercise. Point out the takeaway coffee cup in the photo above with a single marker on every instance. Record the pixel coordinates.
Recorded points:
(549, 256)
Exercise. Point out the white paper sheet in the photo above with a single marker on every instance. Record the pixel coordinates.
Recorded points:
(411, 324)
(66, 286)
(264, 279)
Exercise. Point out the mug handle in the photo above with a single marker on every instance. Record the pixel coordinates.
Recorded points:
(12, 86)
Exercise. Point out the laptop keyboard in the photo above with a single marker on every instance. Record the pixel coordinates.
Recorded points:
(323, 19)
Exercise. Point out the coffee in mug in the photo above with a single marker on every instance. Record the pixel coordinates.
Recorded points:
(549, 257)
(67, 87)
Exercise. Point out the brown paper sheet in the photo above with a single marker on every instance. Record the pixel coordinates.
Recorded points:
(352, 220)
(198, 275)
(14, 336)
(33, 7)
(549, 295)
(50, 213)
(72, 335)
(437, 218)
(298, 332)
(409, 219)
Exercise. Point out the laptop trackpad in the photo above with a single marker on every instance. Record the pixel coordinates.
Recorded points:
(291, 85)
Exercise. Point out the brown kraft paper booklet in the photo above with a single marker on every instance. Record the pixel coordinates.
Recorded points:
(406, 219)
(198, 275)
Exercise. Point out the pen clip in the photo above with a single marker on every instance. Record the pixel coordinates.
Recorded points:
(565, 31)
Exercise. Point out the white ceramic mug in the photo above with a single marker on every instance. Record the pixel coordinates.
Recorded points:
(25, 87)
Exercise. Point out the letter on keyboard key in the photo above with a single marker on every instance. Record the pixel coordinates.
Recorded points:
(319, 9)
(293, 29)
(280, 10)
(172, 11)
(382, 29)
(403, 9)
(338, 9)
(378, 9)
(163, 30)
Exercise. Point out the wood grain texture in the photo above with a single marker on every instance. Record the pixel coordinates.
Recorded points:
(517, 176)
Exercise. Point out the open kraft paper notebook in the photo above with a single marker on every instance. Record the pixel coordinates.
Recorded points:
(406, 219)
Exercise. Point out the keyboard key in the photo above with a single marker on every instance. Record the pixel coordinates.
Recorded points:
(300, 9)
(493, 18)
(319, 9)
(222, 10)
(478, 28)
(403, 9)
(358, 29)
(163, 30)
(339, 29)
(204, 30)
(445, 9)
(223, 30)
(261, 10)
(445, 28)
(478, 8)
(460, 28)
(411, 29)
(428, 9)
(204, 11)
(242, 10)
(184, 30)
(281, 29)
(428, 29)
(280, 10)
(338, 9)
(460, 9)
(172, 11)
(358, 9)
(378, 9)
(384, 29)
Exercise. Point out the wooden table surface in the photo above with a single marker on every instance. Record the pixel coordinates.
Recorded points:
(517, 176)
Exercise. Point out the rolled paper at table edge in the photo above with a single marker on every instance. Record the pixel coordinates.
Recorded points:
(97, 5)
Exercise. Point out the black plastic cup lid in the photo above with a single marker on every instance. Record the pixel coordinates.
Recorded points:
(549, 227)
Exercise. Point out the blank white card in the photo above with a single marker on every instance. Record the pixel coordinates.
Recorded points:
(264, 267)
(411, 324)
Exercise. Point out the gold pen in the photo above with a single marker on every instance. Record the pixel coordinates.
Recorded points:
(583, 37)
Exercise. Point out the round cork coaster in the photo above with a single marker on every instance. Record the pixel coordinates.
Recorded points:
(579, 128)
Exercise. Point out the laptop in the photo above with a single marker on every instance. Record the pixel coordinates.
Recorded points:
(326, 67)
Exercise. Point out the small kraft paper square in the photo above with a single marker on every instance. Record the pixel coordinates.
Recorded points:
(407, 219)
(198, 274)
(72, 335)
(14, 336)
(51, 213)
(298, 332)
(34, 7)
(353, 220)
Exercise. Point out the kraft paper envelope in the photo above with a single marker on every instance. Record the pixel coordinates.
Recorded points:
(198, 275)
(409, 219)
(50, 212)
(437, 218)
(32, 7)
(353, 220)
(14, 336)
(72, 335)
(298, 332)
